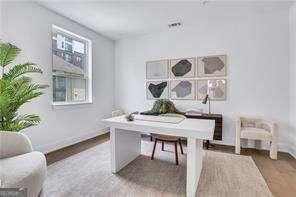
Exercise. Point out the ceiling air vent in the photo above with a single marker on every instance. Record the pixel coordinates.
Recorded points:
(172, 25)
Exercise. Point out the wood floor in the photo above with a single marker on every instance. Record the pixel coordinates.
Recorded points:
(280, 175)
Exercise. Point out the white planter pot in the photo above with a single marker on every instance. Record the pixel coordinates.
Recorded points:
(14, 142)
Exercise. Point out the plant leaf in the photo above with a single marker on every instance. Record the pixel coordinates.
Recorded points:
(20, 122)
(21, 69)
(8, 52)
(16, 89)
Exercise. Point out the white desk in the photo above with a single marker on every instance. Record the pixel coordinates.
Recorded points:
(126, 142)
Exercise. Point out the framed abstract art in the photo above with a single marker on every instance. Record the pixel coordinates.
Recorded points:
(182, 68)
(182, 89)
(212, 66)
(215, 88)
(157, 69)
(157, 90)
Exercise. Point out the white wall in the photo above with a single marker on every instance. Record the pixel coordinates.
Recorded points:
(256, 39)
(28, 26)
(0, 19)
(293, 78)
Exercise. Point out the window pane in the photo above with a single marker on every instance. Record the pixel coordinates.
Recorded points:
(70, 67)
(59, 88)
(78, 89)
(69, 89)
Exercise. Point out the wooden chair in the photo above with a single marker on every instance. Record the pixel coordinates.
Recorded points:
(168, 138)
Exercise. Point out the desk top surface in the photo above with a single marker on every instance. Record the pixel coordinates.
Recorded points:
(195, 128)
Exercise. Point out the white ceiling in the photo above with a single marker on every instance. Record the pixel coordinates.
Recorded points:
(122, 19)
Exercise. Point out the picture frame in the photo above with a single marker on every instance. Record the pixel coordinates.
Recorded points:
(215, 88)
(157, 89)
(182, 89)
(212, 66)
(157, 69)
(182, 67)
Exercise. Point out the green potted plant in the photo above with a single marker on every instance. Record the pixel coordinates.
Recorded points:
(16, 89)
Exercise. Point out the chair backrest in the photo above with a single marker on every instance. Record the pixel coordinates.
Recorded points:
(14, 143)
(256, 122)
(118, 112)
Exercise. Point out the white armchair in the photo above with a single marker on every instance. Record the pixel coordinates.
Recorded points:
(21, 167)
(117, 112)
(256, 129)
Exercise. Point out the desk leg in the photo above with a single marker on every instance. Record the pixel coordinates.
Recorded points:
(125, 147)
(208, 144)
(194, 165)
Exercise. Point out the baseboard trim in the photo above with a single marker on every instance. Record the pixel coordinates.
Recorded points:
(293, 150)
(284, 147)
(69, 141)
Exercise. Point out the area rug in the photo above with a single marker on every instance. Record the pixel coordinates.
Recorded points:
(88, 174)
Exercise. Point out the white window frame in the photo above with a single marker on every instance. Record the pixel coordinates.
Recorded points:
(89, 98)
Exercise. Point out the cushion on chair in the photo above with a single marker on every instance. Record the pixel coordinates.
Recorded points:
(255, 133)
(26, 170)
(165, 137)
(14, 143)
(249, 123)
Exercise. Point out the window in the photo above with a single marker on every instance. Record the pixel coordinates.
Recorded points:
(71, 68)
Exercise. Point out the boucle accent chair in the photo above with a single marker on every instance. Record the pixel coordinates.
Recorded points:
(21, 167)
(257, 129)
(117, 112)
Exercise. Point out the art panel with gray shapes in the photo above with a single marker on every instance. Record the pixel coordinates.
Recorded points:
(216, 88)
(182, 67)
(212, 66)
(182, 89)
(157, 90)
(157, 69)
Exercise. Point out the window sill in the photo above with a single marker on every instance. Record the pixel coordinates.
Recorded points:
(71, 103)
